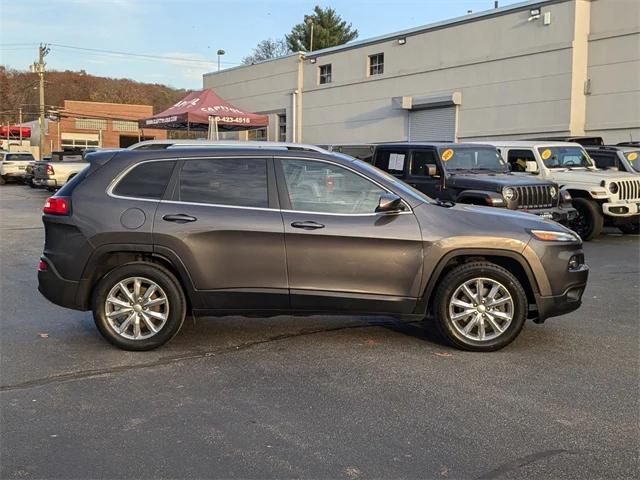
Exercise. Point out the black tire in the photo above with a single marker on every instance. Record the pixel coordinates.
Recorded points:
(162, 277)
(590, 221)
(457, 277)
(630, 228)
(2, 180)
(31, 184)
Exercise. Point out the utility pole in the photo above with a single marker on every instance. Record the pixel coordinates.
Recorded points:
(38, 67)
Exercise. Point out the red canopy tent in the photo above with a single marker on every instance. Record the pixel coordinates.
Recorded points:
(204, 110)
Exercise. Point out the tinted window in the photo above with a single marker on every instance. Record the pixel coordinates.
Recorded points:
(147, 180)
(324, 187)
(19, 157)
(563, 157)
(471, 158)
(518, 159)
(225, 181)
(390, 161)
(419, 161)
(604, 160)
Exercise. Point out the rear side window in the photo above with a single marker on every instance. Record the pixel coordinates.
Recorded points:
(392, 162)
(147, 180)
(420, 160)
(240, 182)
(518, 159)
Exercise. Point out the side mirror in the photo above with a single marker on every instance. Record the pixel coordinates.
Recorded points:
(432, 170)
(531, 166)
(389, 202)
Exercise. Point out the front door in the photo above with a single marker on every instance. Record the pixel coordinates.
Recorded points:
(223, 223)
(341, 254)
(418, 176)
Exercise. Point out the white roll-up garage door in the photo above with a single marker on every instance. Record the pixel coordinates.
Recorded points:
(433, 124)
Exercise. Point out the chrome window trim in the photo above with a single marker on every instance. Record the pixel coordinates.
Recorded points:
(410, 210)
(122, 174)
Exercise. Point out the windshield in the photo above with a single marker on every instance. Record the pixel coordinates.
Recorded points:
(564, 157)
(472, 158)
(634, 159)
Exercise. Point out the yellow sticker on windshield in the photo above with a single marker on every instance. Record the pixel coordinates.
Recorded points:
(447, 154)
(546, 154)
(632, 156)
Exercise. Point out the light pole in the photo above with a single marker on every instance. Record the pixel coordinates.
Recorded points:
(220, 53)
(38, 67)
(309, 22)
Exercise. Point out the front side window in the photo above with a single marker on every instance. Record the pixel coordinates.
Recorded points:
(376, 64)
(322, 187)
(147, 180)
(633, 157)
(564, 157)
(325, 73)
(472, 158)
(420, 161)
(518, 159)
(238, 182)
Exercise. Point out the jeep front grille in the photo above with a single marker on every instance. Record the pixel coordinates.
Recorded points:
(628, 189)
(536, 196)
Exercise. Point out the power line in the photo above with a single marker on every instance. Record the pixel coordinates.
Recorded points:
(140, 55)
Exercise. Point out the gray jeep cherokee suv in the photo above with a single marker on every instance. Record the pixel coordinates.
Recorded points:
(140, 237)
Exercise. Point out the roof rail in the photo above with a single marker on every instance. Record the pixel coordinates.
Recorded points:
(166, 144)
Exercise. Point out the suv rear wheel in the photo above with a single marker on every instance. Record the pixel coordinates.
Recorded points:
(480, 306)
(138, 306)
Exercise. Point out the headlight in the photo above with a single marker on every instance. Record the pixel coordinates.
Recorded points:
(553, 236)
(613, 187)
(508, 193)
(553, 192)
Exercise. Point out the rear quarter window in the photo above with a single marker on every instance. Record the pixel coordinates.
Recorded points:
(146, 180)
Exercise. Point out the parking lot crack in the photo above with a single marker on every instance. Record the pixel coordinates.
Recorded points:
(102, 372)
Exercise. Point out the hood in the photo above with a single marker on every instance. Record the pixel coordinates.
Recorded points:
(491, 181)
(592, 177)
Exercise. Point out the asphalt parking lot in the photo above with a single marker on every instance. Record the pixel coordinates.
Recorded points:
(315, 397)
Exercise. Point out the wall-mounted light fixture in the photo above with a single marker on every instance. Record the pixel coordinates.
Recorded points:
(402, 41)
(534, 14)
(312, 60)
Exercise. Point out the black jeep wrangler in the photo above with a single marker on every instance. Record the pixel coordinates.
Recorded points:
(475, 174)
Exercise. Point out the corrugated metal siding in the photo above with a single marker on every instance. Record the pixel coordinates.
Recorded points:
(433, 124)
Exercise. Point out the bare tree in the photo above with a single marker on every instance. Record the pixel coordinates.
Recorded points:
(267, 49)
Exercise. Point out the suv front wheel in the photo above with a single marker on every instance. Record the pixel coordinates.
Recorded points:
(480, 306)
(138, 306)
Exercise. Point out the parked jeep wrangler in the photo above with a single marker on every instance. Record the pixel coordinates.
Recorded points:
(601, 197)
(614, 157)
(473, 174)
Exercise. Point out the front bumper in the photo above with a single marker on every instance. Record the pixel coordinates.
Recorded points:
(555, 305)
(562, 215)
(622, 208)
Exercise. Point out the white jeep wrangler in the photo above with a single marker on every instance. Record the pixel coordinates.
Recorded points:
(600, 197)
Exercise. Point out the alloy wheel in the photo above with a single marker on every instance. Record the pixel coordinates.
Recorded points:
(481, 309)
(137, 308)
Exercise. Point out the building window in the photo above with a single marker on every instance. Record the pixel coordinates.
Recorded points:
(91, 124)
(325, 73)
(82, 143)
(125, 126)
(282, 128)
(259, 134)
(376, 64)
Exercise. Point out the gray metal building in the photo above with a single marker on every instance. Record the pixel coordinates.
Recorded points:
(550, 67)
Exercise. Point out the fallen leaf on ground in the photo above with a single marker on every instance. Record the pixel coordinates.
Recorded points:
(43, 335)
(444, 354)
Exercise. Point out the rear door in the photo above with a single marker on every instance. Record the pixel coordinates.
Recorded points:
(222, 220)
(341, 254)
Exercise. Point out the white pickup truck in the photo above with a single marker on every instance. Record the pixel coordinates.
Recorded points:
(62, 168)
(13, 166)
(600, 197)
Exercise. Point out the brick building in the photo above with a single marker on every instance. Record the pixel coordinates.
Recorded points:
(97, 124)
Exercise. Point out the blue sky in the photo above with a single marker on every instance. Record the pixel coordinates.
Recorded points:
(185, 29)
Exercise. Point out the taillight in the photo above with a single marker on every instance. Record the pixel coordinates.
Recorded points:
(42, 266)
(50, 170)
(57, 206)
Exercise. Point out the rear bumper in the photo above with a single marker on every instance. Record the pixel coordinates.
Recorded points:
(45, 182)
(14, 174)
(56, 289)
